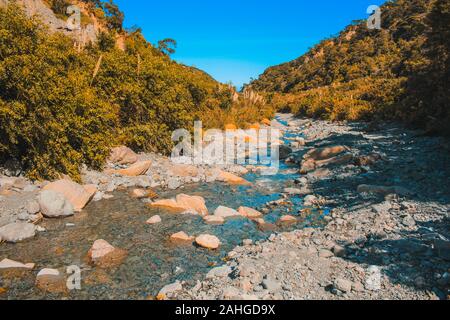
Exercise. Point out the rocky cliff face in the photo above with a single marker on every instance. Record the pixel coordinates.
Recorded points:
(87, 34)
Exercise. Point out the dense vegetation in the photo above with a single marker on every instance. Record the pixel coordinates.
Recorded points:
(61, 108)
(399, 72)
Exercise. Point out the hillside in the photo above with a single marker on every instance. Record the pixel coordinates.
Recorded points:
(64, 103)
(399, 72)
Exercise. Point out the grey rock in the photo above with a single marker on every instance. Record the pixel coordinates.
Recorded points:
(54, 204)
(225, 212)
(16, 232)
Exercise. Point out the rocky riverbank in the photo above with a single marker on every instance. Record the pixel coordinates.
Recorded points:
(387, 236)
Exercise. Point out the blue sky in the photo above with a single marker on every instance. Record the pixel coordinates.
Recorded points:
(235, 40)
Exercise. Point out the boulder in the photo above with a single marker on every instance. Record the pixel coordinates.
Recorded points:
(76, 194)
(181, 237)
(249, 213)
(192, 204)
(226, 213)
(123, 155)
(182, 170)
(7, 264)
(104, 255)
(16, 232)
(325, 153)
(137, 169)
(54, 204)
(154, 220)
(208, 241)
(231, 178)
(183, 202)
(214, 220)
(51, 280)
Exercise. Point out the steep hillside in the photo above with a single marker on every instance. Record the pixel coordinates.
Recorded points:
(398, 72)
(63, 105)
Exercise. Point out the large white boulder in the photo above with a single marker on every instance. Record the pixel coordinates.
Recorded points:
(53, 204)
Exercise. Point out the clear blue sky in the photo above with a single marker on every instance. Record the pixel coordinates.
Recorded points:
(235, 40)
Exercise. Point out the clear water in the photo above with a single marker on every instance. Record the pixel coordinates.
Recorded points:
(153, 261)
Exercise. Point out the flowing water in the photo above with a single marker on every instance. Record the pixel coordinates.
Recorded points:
(153, 261)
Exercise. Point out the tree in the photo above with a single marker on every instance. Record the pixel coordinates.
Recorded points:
(167, 46)
(114, 17)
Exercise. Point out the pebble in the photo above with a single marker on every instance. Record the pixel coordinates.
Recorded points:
(154, 220)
